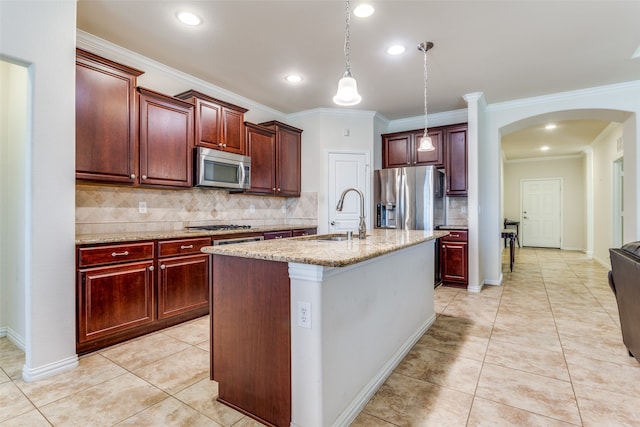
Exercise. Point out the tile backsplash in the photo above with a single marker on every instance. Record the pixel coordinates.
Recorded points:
(113, 209)
(457, 211)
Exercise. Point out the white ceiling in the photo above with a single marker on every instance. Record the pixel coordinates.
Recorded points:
(506, 49)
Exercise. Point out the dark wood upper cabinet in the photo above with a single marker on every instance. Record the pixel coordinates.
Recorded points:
(288, 158)
(218, 124)
(261, 147)
(106, 120)
(456, 160)
(166, 140)
(400, 149)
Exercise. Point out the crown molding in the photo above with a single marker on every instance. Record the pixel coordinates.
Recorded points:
(545, 159)
(118, 53)
(562, 96)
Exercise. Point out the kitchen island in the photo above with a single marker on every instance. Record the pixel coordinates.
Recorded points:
(305, 330)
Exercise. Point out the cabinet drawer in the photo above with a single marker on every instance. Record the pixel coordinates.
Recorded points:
(304, 232)
(98, 255)
(456, 236)
(277, 235)
(182, 246)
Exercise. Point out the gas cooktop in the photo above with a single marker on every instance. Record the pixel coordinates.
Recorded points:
(215, 227)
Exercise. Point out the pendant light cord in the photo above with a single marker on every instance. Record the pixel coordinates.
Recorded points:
(425, 92)
(347, 42)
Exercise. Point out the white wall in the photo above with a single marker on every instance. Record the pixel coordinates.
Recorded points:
(604, 154)
(49, 250)
(571, 171)
(13, 180)
(618, 103)
(324, 131)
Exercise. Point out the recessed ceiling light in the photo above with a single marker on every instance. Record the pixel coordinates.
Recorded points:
(189, 18)
(550, 126)
(293, 78)
(544, 148)
(395, 49)
(363, 10)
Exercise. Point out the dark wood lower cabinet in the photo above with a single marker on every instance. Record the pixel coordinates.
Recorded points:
(454, 259)
(120, 296)
(183, 285)
(251, 337)
(114, 299)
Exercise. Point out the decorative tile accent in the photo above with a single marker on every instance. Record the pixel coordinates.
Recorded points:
(113, 209)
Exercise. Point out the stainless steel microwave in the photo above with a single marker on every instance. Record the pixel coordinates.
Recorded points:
(215, 168)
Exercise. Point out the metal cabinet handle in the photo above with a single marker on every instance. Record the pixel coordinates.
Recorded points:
(273, 189)
(186, 247)
(455, 235)
(144, 176)
(162, 267)
(278, 189)
(115, 254)
(133, 176)
(151, 268)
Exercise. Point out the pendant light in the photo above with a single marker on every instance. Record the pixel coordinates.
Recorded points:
(347, 94)
(425, 143)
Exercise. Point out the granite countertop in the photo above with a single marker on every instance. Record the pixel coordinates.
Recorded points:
(310, 250)
(87, 239)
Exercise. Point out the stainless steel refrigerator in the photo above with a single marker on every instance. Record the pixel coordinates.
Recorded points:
(409, 198)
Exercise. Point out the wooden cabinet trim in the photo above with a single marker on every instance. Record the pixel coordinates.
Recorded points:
(195, 94)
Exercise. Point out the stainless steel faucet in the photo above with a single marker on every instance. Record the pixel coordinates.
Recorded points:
(362, 227)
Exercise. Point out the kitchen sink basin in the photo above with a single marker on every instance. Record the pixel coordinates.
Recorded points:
(332, 237)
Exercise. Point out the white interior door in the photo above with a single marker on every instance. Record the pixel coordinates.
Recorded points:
(541, 213)
(348, 170)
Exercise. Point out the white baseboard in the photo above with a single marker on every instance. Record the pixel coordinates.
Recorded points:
(12, 336)
(45, 371)
(360, 401)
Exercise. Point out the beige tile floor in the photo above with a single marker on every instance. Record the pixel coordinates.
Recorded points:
(544, 349)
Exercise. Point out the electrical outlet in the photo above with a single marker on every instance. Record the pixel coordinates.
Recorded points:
(142, 207)
(304, 314)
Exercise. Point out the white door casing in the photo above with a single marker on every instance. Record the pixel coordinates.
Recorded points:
(346, 170)
(541, 212)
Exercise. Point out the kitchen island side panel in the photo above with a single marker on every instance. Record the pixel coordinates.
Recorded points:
(250, 342)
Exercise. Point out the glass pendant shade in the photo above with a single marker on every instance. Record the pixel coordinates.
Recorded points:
(426, 144)
(347, 91)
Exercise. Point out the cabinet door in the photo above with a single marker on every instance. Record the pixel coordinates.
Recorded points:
(106, 120)
(208, 124)
(183, 284)
(166, 140)
(261, 145)
(233, 137)
(288, 146)
(114, 299)
(453, 258)
(456, 160)
(435, 157)
(396, 150)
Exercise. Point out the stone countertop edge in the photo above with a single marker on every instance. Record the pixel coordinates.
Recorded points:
(134, 236)
(311, 250)
(452, 227)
